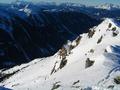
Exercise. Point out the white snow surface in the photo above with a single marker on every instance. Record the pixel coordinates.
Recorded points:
(36, 74)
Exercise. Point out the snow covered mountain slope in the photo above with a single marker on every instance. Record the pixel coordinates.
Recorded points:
(91, 62)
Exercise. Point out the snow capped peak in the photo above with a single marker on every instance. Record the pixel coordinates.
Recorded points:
(22, 6)
(108, 20)
(109, 23)
(26, 10)
(109, 28)
(108, 6)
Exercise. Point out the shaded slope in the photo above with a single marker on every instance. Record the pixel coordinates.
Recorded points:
(41, 34)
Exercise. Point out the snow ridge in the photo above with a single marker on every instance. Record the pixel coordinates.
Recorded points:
(90, 62)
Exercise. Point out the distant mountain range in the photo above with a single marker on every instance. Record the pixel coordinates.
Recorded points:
(108, 6)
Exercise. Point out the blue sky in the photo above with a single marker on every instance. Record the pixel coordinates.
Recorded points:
(87, 2)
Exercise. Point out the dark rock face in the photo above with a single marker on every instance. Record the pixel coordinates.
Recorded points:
(63, 63)
(24, 38)
(117, 80)
(89, 63)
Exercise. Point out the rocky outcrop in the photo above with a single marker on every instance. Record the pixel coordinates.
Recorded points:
(89, 63)
(100, 40)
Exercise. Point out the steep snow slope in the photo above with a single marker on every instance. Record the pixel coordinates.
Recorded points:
(93, 63)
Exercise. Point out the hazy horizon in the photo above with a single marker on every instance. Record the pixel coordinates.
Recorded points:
(86, 2)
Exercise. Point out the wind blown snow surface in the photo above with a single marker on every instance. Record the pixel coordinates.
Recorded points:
(101, 46)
